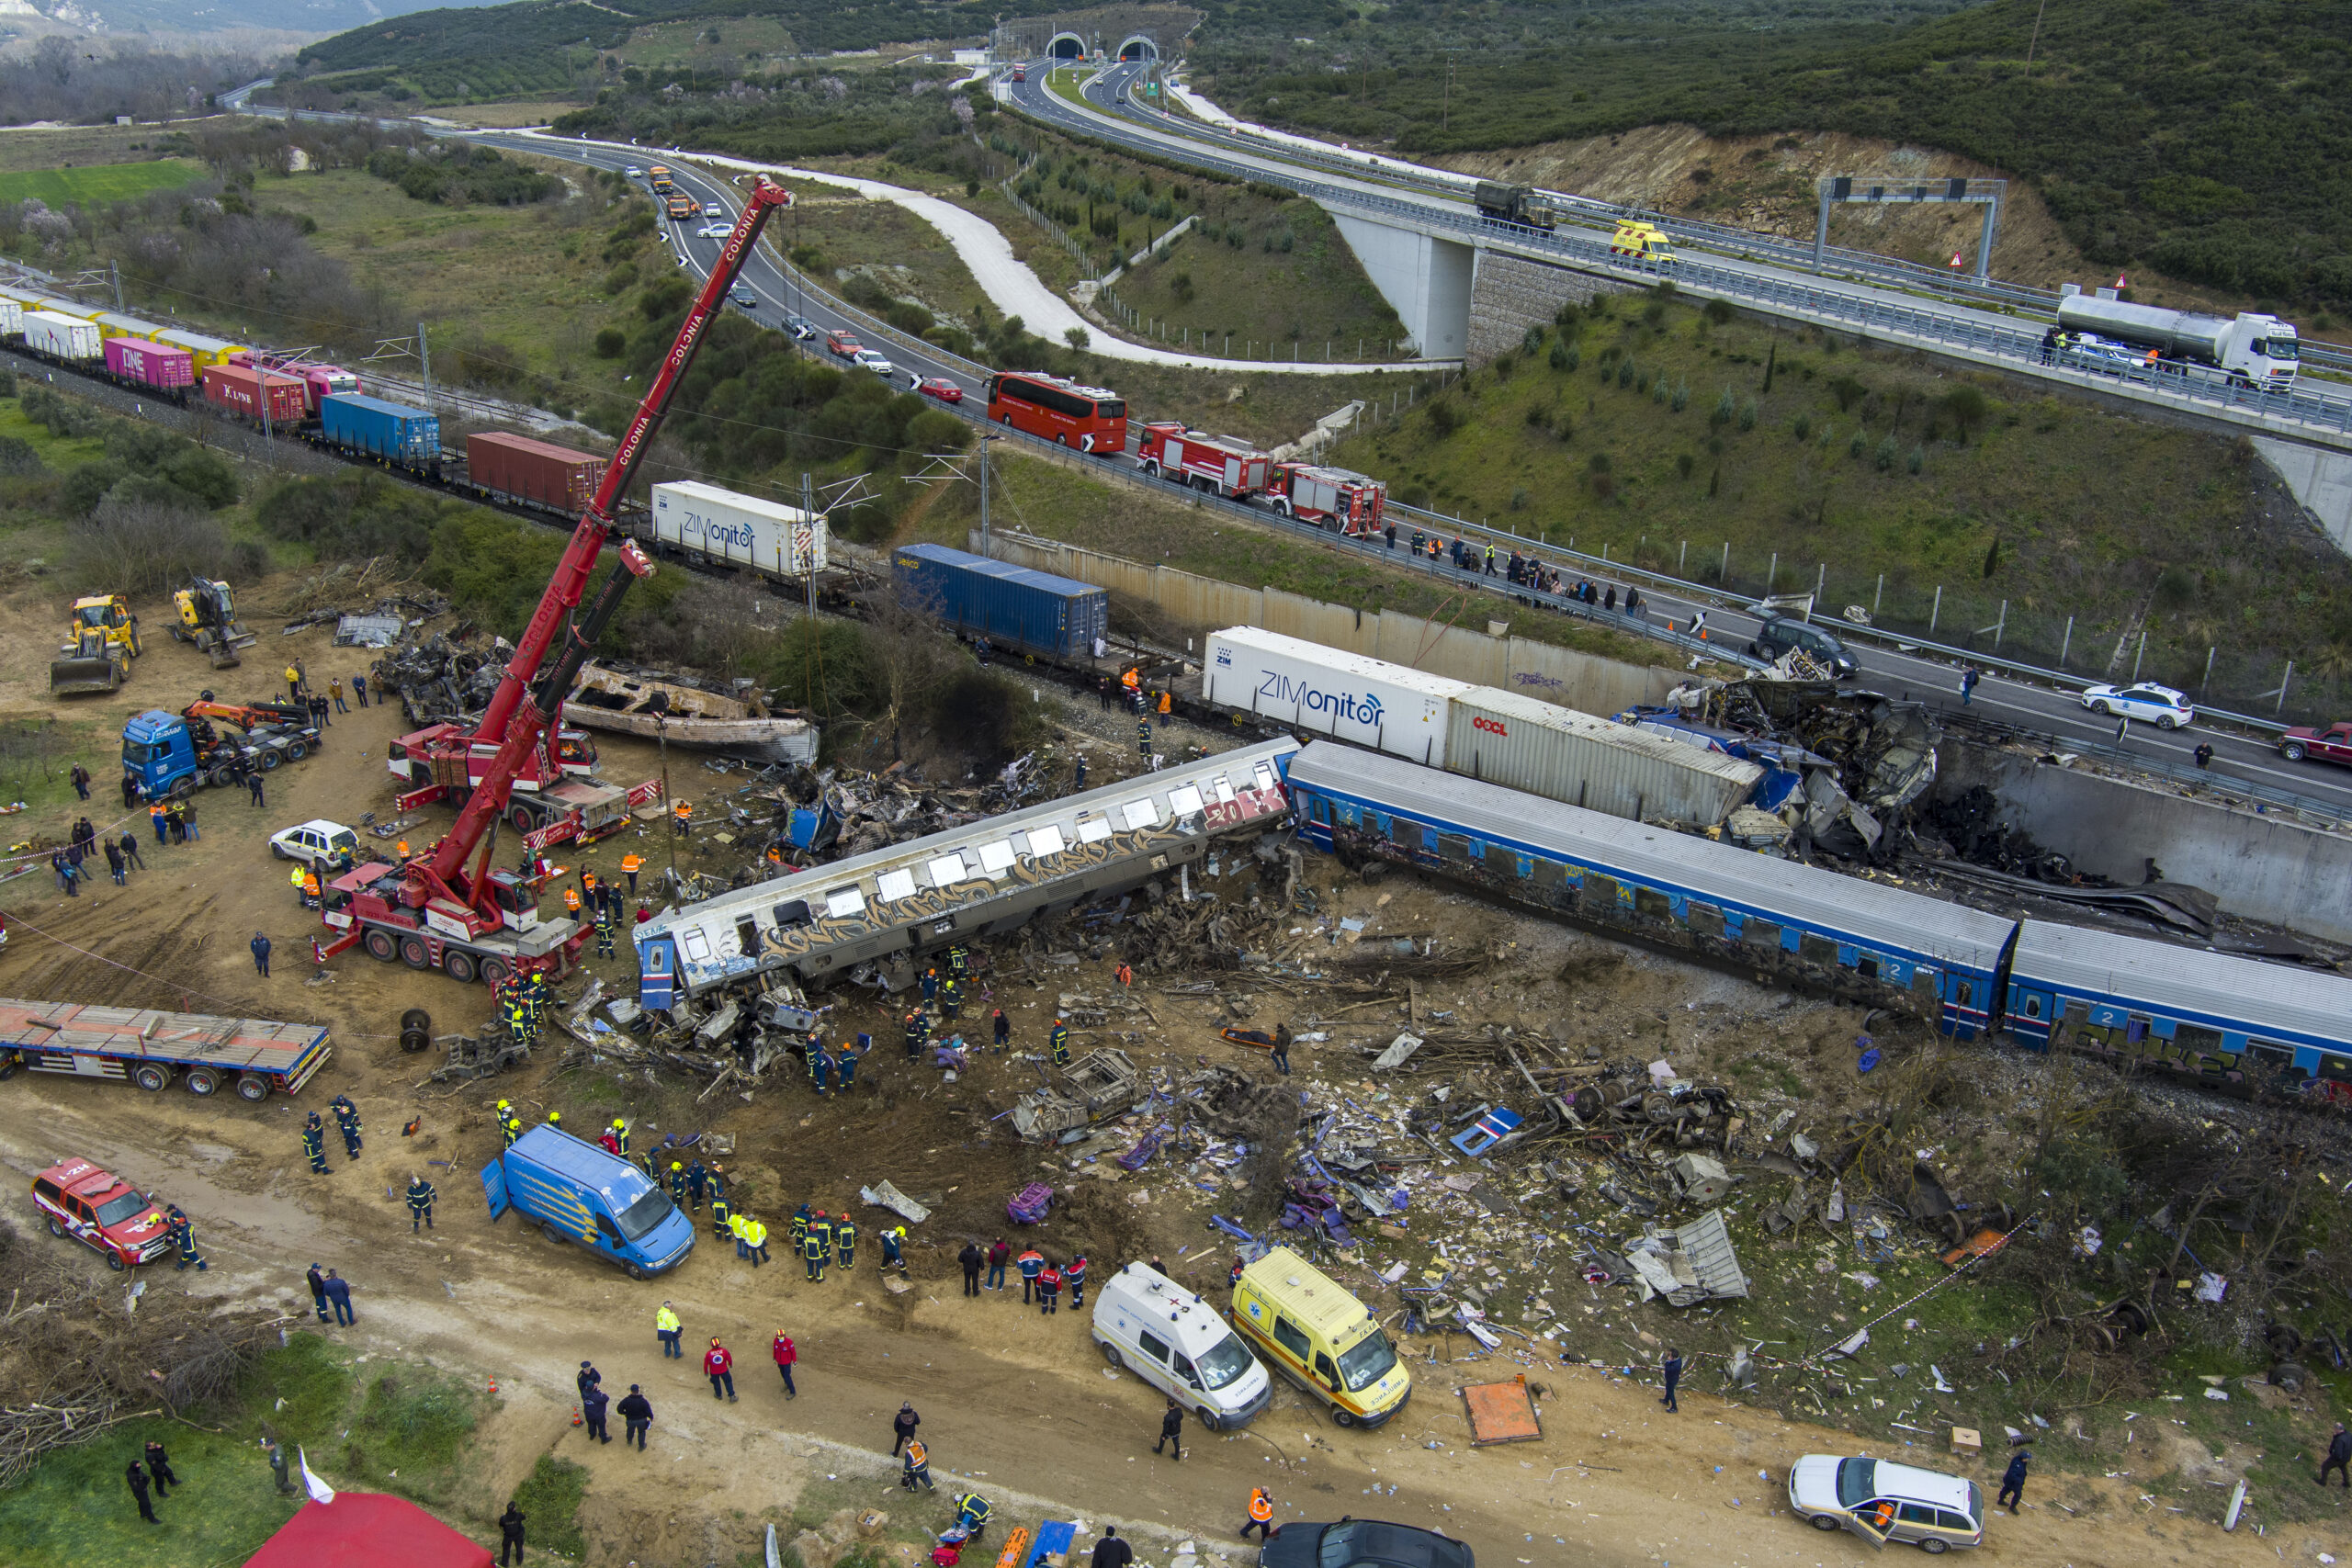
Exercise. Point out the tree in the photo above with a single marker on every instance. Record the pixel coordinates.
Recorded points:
(1078, 338)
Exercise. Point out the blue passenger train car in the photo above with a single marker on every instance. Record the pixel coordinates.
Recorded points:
(1859, 939)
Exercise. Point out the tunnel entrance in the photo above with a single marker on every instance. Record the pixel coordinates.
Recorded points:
(1138, 48)
(1066, 46)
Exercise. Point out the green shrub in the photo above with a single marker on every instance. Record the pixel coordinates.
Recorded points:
(1917, 460)
(1683, 464)
(663, 298)
(1681, 396)
(1726, 410)
(610, 342)
(1747, 414)
(1886, 453)
(1858, 445)
(1559, 358)
(1803, 428)
(1445, 417)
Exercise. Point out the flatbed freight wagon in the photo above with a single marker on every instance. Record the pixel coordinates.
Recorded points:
(251, 1055)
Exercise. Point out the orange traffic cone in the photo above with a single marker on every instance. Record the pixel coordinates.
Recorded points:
(493, 1385)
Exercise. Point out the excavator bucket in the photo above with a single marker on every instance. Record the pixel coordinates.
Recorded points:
(222, 651)
(93, 667)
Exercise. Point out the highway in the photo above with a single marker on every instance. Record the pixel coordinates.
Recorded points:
(2013, 342)
(2249, 759)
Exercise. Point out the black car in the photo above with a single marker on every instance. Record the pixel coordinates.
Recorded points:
(1778, 634)
(1361, 1543)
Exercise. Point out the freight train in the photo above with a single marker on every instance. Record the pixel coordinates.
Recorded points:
(2236, 1024)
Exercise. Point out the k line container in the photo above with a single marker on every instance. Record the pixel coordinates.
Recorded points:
(562, 479)
(394, 432)
(722, 525)
(1034, 611)
(240, 388)
(156, 364)
(1527, 744)
(1325, 691)
(61, 337)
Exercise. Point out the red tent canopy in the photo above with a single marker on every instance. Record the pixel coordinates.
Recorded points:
(368, 1530)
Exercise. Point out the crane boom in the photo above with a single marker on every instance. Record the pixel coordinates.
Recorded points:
(514, 725)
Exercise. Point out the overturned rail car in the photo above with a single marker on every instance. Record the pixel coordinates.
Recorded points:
(983, 878)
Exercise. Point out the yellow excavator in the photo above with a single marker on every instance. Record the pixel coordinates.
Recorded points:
(101, 640)
(209, 619)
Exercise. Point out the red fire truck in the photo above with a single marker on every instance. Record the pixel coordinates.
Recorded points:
(1338, 499)
(1216, 463)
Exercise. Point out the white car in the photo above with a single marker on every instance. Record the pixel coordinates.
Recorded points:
(874, 361)
(318, 843)
(1881, 1501)
(715, 230)
(2146, 702)
(633, 172)
(712, 209)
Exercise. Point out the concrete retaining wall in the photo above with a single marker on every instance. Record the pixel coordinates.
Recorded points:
(1201, 604)
(1510, 294)
(2262, 868)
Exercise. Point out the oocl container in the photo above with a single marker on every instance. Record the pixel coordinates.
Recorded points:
(61, 337)
(1327, 690)
(1527, 744)
(395, 433)
(1034, 611)
(722, 525)
(156, 364)
(537, 473)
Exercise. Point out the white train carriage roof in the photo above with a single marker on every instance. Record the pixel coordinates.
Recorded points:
(1873, 916)
(985, 849)
(2268, 999)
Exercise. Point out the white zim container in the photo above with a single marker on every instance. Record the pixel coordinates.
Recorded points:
(1524, 743)
(1323, 691)
(62, 337)
(12, 318)
(721, 526)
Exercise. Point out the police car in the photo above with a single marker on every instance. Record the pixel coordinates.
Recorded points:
(102, 1211)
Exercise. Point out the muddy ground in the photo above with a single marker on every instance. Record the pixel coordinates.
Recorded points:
(1019, 1404)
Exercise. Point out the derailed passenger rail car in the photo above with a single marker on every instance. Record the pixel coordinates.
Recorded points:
(2232, 1024)
(1877, 946)
(984, 877)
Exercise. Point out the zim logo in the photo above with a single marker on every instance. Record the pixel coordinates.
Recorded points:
(1225, 657)
(1491, 726)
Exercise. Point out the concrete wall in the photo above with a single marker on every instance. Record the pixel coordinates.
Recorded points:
(2321, 480)
(2261, 867)
(1428, 279)
(1201, 604)
(1511, 294)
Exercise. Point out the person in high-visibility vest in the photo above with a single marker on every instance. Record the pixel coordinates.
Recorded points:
(972, 1513)
(1059, 1043)
(605, 931)
(402, 848)
(620, 1132)
(301, 893)
(571, 902)
(755, 1237)
(631, 865)
(735, 1225)
(311, 890)
(684, 815)
(1261, 1514)
(721, 1216)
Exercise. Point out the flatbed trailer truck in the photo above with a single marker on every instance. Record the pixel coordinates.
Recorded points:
(255, 1057)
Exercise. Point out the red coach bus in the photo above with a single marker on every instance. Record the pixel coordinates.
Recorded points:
(1089, 417)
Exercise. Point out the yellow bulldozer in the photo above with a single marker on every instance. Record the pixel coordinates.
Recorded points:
(209, 619)
(101, 640)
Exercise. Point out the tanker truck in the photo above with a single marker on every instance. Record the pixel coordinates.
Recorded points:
(2259, 351)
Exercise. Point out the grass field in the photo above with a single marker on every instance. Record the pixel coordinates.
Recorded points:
(72, 146)
(1922, 496)
(73, 1511)
(103, 182)
(1263, 284)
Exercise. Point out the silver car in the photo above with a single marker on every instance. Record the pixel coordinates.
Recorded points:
(1881, 1501)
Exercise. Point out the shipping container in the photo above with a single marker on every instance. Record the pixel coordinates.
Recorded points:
(718, 524)
(209, 351)
(239, 389)
(111, 325)
(12, 318)
(145, 363)
(536, 473)
(1033, 611)
(1525, 743)
(61, 337)
(57, 305)
(1324, 691)
(394, 433)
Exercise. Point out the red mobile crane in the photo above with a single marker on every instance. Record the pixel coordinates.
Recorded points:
(434, 911)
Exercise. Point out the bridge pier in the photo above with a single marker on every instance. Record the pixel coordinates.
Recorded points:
(1426, 279)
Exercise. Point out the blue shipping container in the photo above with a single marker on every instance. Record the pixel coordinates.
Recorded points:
(394, 432)
(1033, 611)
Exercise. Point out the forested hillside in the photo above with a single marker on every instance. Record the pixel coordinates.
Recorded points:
(2205, 138)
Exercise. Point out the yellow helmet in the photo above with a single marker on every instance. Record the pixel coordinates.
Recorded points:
(617, 1124)
(505, 1105)
(555, 1115)
(675, 1165)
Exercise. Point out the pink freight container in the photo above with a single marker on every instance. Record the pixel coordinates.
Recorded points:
(144, 364)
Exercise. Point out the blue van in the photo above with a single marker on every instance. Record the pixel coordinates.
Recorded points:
(577, 1192)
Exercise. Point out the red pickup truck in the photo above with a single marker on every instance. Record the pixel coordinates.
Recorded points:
(844, 344)
(2333, 744)
(101, 1212)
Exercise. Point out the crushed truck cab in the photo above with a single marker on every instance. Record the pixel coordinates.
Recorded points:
(577, 1192)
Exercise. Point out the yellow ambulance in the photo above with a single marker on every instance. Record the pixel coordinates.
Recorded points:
(1304, 1325)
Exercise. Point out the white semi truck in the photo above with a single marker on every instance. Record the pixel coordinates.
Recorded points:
(2259, 350)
